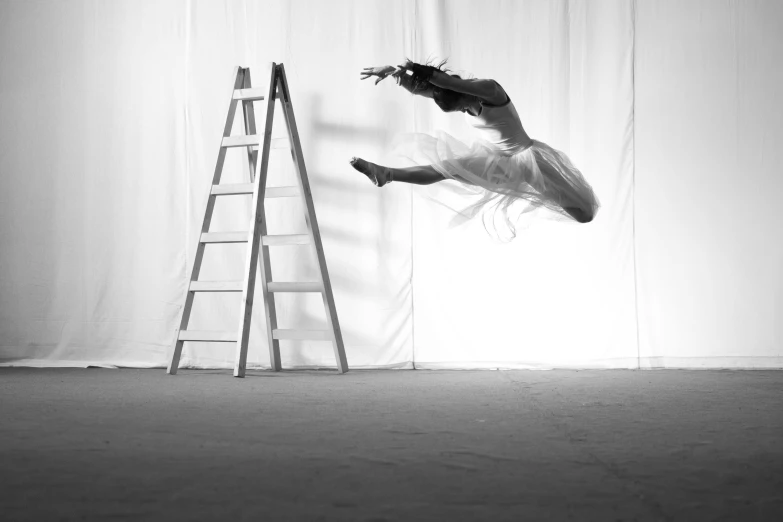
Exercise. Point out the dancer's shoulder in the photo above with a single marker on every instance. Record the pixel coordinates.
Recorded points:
(501, 99)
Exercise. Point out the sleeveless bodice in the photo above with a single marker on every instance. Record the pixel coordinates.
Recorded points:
(500, 125)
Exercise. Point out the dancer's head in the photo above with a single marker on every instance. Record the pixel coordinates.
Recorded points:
(451, 101)
(446, 99)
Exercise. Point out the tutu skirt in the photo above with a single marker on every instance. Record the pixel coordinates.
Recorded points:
(502, 186)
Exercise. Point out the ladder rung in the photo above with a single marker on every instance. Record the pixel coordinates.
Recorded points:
(240, 141)
(277, 143)
(224, 237)
(303, 335)
(295, 287)
(285, 239)
(206, 336)
(229, 189)
(249, 94)
(216, 286)
(281, 192)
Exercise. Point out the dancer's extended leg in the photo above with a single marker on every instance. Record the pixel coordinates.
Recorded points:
(419, 175)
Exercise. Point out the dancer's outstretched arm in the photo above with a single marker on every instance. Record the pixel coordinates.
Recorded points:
(488, 90)
(400, 73)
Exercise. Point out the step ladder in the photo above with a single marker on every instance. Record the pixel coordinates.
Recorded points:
(256, 237)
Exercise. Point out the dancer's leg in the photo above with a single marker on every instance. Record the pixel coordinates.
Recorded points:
(419, 175)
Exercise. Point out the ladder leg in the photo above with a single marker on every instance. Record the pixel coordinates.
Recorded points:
(264, 264)
(174, 362)
(210, 206)
(185, 318)
(258, 228)
(312, 223)
(264, 267)
(270, 308)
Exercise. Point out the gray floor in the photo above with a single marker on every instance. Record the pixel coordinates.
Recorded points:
(97, 444)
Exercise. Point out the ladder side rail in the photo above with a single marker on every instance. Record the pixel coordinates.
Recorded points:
(265, 266)
(209, 208)
(257, 229)
(312, 223)
(250, 127)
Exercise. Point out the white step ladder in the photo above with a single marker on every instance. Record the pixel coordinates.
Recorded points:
(257, 236)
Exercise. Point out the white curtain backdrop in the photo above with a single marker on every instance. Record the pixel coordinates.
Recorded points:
(709, 183)
(110, 120)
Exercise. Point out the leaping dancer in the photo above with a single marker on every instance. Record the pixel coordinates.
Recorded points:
(504, 165)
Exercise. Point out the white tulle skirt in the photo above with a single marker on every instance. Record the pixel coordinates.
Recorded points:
(499, 186)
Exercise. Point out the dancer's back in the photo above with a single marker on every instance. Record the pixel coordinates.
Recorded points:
(500, 125)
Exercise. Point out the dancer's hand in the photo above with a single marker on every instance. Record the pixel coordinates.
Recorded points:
(380, 72)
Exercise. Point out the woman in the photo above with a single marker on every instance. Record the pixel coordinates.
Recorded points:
(504, 166)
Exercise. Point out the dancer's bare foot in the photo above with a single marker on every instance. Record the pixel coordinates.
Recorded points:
(377, 174)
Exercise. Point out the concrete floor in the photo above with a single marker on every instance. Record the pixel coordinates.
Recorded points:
(97, 444)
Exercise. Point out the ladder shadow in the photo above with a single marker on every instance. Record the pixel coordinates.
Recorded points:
(342, 233)
(322, 126)
(329, 191)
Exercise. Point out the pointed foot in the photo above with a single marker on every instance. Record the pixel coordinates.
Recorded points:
(379, 175)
